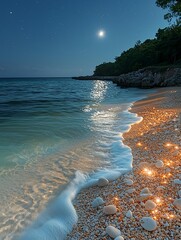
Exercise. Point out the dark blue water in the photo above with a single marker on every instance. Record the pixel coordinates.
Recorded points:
(49, 129)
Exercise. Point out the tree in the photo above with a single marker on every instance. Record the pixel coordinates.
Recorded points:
(174, 9)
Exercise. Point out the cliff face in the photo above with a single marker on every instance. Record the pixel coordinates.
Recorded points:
(150, 78)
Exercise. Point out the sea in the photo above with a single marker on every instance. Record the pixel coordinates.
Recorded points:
(57, 136)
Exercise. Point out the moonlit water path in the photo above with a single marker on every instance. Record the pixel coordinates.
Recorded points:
(50, 128)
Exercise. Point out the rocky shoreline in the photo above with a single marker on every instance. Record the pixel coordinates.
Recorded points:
(145, 203)
(151, 77)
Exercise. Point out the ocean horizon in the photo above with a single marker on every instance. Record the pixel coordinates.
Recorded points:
(57, 136)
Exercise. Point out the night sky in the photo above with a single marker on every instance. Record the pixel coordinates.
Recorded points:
(60, 37)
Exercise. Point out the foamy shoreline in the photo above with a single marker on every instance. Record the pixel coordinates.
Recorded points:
(157, 137)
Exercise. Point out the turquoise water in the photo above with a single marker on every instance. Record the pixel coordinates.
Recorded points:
(50, 129)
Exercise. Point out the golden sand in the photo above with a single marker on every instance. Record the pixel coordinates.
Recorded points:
(156, 137)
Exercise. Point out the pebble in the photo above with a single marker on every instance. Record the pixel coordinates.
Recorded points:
(143, 165)
(102, 182)
(179, 193)
(129, 214)
(177, 181)
(177, 203)
(113, 232)
(110, 209)
(148, 223)
(119, 238)
(160, 188)
(128, 182)
(150, 205)
(145, 194)
(131, 190)
(145, 191)
(159, 164)
(97, 202)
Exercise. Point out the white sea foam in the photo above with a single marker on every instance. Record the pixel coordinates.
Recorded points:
(60, 216)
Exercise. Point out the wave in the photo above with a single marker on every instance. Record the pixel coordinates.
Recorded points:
(60, 216)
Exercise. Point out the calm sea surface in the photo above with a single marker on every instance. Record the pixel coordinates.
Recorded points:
(49, 129)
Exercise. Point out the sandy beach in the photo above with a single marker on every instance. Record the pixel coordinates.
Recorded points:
(145, 203)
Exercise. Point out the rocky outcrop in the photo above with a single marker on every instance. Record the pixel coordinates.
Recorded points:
(150, 78)
(106, 78)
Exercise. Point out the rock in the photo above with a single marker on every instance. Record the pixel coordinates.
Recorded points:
(97, 202)
(128, 182)
(131, 190)
(145, 194)
(177, 181)
(145, 191)
(160, 188)
(113, 232)
(102, 182)
(177, 203)
(179, 193)
(150, 205)
(148, 223)
(129, 214)
(119, 238)
(143, 165)
(149, 78)
(110, 209)
(159, 164)
(131, 200)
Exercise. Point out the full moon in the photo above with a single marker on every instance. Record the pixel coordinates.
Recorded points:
(101, 34)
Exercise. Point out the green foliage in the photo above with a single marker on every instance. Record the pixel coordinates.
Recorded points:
(174, 9)
(165, 49)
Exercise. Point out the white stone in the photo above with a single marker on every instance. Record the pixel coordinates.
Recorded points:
(119, 238)
(131, 200)
(159, 164)
(129, 214)
(110, 209)
(150, 205)
(145, 191)
(145, 194)
(97, 202)
(143, 165)
(177, 203)
(148, 223)
(102, 182)
(179, 193)
(113, 232)
(131, 190)
(177, 181)
(160, 188)
(128, 182)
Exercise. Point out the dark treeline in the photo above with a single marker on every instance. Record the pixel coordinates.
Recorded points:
(164, 49)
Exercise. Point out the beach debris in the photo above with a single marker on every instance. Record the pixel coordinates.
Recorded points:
(148, 223)
(177, 181)
(159, 164)
(150, 205)
(128, 182)
(113, 232)
(119, 238)
(102, 182)
(129, 214)
(97, 202)
(110, 209)
(177, 203)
